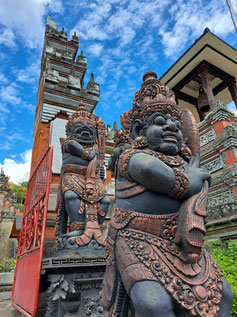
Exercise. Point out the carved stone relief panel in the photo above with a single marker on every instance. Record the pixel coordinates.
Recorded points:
(221, 198)
(74, 295)
(214, 165)
(207, 137)
(219, 212)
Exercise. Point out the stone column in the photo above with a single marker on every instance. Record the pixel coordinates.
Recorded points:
(206, 83)
(233, 91)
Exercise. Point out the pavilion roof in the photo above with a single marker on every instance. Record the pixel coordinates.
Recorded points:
(217, 55)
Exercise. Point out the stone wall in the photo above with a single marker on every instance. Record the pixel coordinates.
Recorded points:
(7, 216)
(7, 245)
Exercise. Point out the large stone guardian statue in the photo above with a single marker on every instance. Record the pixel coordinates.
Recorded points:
(82, 195)
(155, 258)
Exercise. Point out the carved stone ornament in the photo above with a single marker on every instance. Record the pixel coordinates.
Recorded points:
(92, 307)
(74, 294)
(207, 137)
(214, 165)
(155, 261)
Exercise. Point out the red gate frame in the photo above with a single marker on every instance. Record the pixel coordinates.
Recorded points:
(31, 243)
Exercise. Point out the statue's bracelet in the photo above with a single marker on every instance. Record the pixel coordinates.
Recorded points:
(181, 184)
(85, 154)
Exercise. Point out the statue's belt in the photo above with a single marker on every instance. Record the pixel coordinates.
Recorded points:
(75, 169)
(160, 225)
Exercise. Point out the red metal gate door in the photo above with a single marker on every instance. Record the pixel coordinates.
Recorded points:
(30, 248)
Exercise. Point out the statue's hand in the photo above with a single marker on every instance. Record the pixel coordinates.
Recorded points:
(117, 152)
(74, 148)
(93, 153)
(196, 176)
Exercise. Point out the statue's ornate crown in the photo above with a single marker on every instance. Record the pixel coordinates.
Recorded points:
(81, 115)
(152, 97)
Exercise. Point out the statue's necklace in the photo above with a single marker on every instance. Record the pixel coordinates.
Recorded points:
(167, 159)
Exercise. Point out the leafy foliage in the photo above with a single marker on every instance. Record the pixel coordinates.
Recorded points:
(20, 192)
(24, 184)
(225, 254)
(6, 265)
(19, 207)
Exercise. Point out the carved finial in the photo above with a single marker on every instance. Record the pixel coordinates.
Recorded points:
(149, 75)
(115, 128)
(75, 38)
(206, 30)
(51, 23)
(81, 107)
(92, 78)
(48, 18)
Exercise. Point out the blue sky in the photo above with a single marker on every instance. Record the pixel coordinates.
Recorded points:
(121, 40)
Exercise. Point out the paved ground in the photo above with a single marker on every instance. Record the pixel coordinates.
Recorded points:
(6, 309)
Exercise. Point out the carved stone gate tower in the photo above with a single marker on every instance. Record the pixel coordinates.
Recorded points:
(61, 89)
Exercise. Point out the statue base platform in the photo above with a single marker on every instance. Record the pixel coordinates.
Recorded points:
(75, 278)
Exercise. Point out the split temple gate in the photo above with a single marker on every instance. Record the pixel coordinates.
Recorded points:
(61, 88)
(204, 73)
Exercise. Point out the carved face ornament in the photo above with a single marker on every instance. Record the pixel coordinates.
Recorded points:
(164, 133)
(83, 133)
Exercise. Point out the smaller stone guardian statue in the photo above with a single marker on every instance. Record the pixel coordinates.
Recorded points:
(155, 258)
(82, 195)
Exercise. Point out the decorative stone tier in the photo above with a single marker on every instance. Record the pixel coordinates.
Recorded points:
(218, 138)
(61, 79)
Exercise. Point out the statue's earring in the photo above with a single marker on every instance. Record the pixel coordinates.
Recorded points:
(185, 152)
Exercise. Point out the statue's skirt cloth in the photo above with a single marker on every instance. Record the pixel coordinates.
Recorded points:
(86, 183)
(143, 248)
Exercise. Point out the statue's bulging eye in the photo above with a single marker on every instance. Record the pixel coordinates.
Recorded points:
(159, 120)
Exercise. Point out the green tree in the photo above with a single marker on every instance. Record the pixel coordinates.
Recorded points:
(20, 193)
(225, 254)
(24, 184)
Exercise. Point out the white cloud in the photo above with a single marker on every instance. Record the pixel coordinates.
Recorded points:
(9, 94)
(10, 139)
(95, 49)
(27, 106)
(7, 37)
(29, 74)
(3, 79)
(24, 20)
(189, 19)
(91, 26)
(5, 114)
(105, 19)
(56, 6)
(18, 170)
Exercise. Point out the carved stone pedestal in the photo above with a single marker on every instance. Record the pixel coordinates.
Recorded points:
(75, 282)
